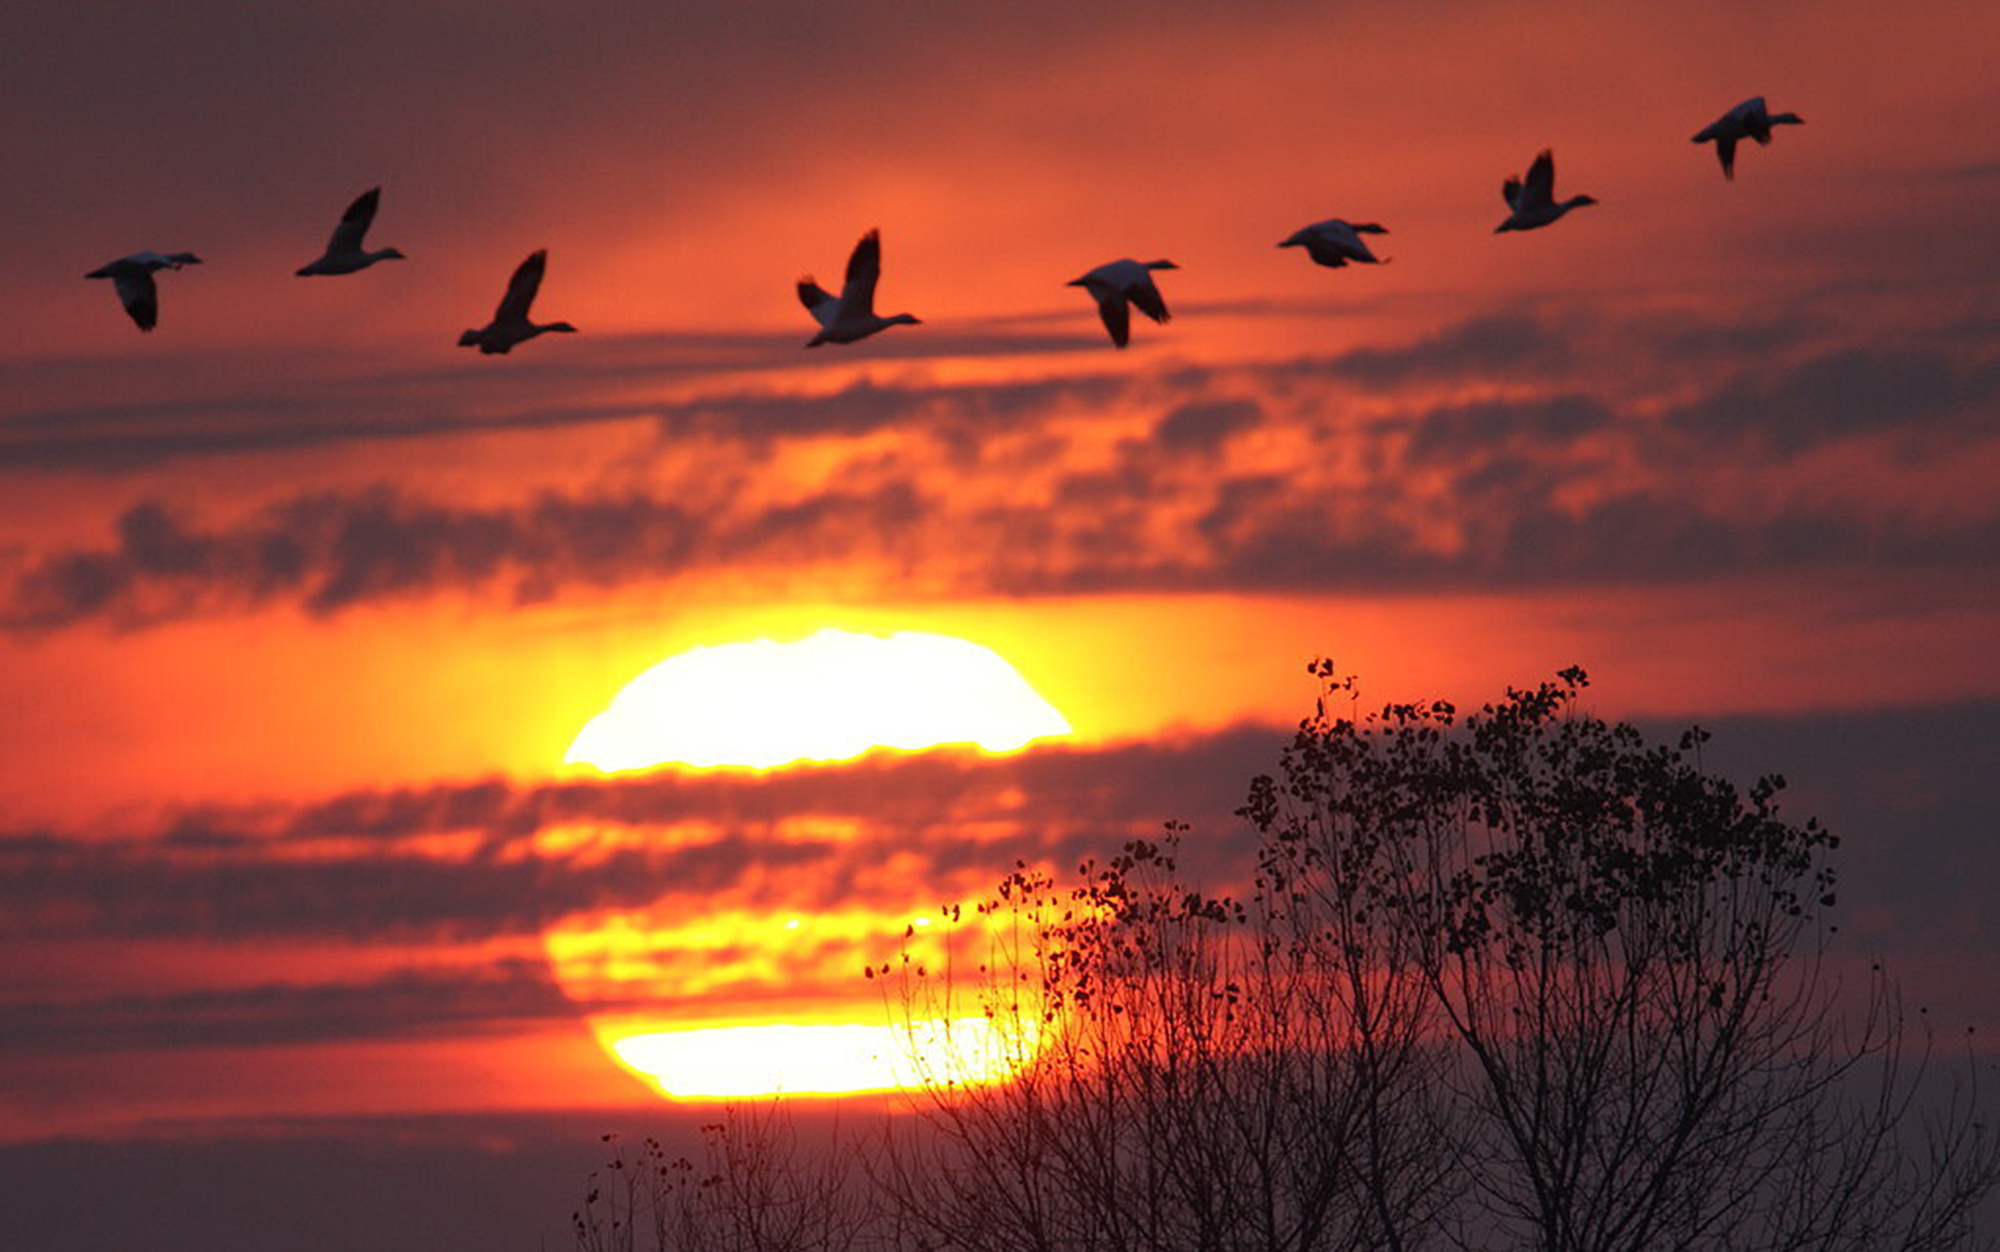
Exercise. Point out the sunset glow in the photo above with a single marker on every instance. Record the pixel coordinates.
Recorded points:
(821, 1059)
(654, 983)
(650, 982)
(827, 697)
(415, 750)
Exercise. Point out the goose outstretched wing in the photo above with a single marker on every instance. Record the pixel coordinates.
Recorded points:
(818, 301)
(353, 225)
(140, 297)
(521, 288)
(864, 268)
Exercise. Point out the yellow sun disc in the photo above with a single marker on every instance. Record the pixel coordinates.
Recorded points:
(828, 697)
(842, 1059)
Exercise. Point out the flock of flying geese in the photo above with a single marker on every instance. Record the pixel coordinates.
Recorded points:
(1117, 286)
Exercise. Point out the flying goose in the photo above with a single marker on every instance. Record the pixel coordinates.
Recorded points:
(133, 277)
(344, 254)
(510, 325)
(1118, 285)
(1333, 243)
(1748, 120)
(1533, 200)
(851, 315)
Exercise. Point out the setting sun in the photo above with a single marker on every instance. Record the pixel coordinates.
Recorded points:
(781, 1011)
(819, 1059)
(745, 1003)
(827, 697)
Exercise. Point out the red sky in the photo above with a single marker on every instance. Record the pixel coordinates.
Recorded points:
(300, 604)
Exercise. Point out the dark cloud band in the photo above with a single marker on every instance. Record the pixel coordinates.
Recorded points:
(1555, 479)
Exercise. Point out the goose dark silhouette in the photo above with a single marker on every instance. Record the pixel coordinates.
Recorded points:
(1335, 243)
(1117, 285)
(851, 315)
(1533, 199)
(344, 253)
(132, 276)
(1748, 120)
(510, 326)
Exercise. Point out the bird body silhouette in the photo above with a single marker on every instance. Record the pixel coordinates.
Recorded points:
(1748, 120)
(1533, 199)
(851, 315)
(132, 276)
(344, 253)
(1334, 243)
(510, 326)
(1118, 285)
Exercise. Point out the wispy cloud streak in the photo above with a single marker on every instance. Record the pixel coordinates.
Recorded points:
(489, 860)
(1493, 455)
(362, 868)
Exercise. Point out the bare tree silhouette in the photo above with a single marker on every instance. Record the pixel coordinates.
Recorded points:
(1651, 1048)
(1194, 1073)
(1520, 979)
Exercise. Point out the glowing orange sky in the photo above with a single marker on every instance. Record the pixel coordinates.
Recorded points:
(983, 146)
(293, 567)
(288, 686)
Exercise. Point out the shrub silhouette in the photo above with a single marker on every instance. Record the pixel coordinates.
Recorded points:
(752, 1187)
